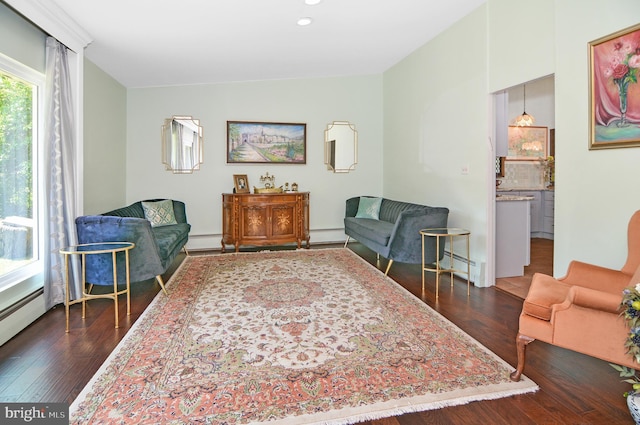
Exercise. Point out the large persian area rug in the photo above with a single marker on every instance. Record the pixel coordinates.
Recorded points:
(288, 337)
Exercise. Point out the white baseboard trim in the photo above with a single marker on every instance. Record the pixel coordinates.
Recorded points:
(212, 241)
(21, 318)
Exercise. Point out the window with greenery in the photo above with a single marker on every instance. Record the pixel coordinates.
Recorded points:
(18, 125)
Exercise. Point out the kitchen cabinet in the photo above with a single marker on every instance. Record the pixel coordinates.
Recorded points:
(513, 237)
(548, 204)
(535, 206)
(541, 211)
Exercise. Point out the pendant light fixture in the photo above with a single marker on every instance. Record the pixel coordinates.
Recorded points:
(525, 119)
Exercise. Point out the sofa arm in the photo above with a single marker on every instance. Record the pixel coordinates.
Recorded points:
(596, 277)
(595, 300)
(352, 207)
(405, 240)
(145, 260)
(180, 211)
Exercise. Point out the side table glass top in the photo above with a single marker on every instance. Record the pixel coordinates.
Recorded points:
(445, 231)
(98, 248)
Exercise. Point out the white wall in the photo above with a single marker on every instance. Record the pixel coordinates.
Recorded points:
(436, 125)
(540, 102)
(18, 38)
(105, 135)
(315, 102)
(597, 191)
(521, 36)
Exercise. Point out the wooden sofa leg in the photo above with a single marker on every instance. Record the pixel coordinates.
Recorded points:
(521, 343)
(159, 279)
(346, 242)
(386, 272)
(185, 250)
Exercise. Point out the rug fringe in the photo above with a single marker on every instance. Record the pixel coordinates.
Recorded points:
(402, 410)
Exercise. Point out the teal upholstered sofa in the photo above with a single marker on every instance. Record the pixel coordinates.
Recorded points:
(395, 234)
(156, 246)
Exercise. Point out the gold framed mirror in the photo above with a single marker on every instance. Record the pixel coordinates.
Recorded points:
(341, 147)
(182, 144)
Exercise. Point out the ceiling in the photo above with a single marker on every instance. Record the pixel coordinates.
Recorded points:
(144, 43)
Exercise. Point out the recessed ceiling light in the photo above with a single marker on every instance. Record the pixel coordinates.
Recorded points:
(304, 21)
(312, 2)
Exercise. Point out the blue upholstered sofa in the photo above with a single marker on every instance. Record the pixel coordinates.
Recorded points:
(395, 233)
(156, 246)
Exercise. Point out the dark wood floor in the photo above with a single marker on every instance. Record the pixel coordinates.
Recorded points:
(44, 364)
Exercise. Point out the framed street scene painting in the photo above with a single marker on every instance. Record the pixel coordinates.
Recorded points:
(266, 142)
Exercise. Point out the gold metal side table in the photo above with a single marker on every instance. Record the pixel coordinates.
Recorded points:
(440, 233)
(91, 249)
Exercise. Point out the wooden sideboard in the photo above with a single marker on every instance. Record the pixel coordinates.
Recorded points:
(265, 219)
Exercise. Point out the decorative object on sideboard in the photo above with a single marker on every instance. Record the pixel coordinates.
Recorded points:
(182, 144)
(524, 120)
(268, 182)
(240, 183)
(266, 142)
(614, 63)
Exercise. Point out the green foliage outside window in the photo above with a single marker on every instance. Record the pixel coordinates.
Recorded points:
(16, 134)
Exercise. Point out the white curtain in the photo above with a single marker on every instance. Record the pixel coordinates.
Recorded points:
(59, 171)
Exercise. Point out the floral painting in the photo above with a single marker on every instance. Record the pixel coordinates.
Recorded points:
(614, 90)
(262, 142)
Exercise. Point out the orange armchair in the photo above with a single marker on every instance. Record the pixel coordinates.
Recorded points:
(581, 311)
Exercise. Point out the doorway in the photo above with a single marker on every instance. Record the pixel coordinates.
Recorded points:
(541, 262)
(529, 176)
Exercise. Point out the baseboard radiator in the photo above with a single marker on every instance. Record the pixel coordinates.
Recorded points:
(21, 314)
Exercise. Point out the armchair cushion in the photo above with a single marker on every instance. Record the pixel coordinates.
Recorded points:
(377, 231)
(544, 293)
(170, 239)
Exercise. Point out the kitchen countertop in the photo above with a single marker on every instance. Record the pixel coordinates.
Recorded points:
(500, 198)
(500, 189)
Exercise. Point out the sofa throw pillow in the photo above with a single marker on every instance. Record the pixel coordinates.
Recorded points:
(369, 208)
(159, 213)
